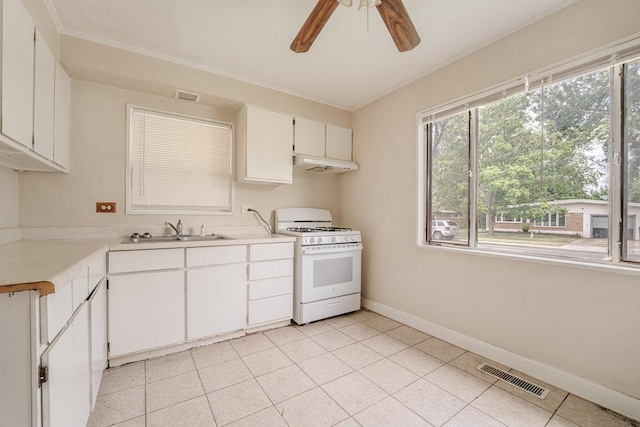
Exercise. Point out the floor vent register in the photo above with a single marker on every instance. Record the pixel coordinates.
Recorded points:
(525, 385)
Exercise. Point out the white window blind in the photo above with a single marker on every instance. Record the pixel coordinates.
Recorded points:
(178, 164)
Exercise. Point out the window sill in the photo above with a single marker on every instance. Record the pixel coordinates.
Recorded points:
(602, 266)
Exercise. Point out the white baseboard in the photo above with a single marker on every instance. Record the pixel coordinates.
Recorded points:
(598, 394)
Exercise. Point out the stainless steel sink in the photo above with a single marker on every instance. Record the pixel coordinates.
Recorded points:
(174, 238)
(197, 238)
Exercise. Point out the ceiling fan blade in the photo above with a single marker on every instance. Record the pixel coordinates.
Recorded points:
(313, 25)
(399, 24)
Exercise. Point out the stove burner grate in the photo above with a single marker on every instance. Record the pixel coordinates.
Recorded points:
(317, 229)
(301, 229)
(333, 229)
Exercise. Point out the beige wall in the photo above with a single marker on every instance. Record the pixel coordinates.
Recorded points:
(8, 198)
(98, 170)
(579, 321)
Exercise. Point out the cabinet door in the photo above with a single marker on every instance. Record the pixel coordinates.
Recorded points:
(17, 72)
(216, 300)
(44, 84)
(309, 136)
(62, 128)
(66, 395)
(269, 146)
(145, 311)
(55, 311)
(16, 364)
(338, 143)
(98, 328)
(80, 288)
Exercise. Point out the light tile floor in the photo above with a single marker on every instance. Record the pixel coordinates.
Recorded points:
(360, 369)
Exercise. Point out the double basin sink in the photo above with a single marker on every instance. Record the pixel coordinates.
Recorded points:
(176, 238)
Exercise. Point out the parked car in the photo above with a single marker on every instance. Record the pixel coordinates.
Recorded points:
(444, 229)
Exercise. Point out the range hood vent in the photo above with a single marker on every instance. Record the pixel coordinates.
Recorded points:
(322, 165)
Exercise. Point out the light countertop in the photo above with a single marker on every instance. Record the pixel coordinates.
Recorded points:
(48, 265)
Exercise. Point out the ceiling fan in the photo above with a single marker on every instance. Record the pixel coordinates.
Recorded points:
(393, 14)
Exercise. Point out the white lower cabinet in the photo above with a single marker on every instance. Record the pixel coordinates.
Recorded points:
(216, 290)
(270, 283)
(98, 328)
(216, 300)
(65, 395)
(17, 367)
(166, 297)
(146, 311)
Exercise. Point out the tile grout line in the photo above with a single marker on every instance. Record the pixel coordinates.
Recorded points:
(203, 389)
(145, 393)
(554, 412)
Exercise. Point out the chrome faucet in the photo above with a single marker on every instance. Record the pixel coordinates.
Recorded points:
(177, 228)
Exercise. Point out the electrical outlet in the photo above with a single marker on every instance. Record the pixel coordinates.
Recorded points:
(245, 208)
(106, 207)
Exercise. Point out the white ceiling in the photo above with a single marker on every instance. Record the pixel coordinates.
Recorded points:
(348, 66)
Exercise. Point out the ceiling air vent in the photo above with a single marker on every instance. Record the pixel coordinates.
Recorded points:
(187, 96)
(525, 385)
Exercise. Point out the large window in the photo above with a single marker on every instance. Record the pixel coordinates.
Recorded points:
(177, 164)
(448, 149)
(631, 148)
(528, 166)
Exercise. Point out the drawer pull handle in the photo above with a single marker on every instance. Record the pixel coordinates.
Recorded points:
(333, 303)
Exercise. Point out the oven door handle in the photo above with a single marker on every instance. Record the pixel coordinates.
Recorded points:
(329, 249)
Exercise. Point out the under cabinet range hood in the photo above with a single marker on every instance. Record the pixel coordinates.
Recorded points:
(321, 164)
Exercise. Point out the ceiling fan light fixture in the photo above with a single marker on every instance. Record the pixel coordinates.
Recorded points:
(365, 4)
(347, 3)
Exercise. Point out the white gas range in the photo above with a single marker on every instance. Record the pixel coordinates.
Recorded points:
(327, 264)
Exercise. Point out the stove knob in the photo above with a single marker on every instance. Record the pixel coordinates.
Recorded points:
(333, 239)
(311, 240)
(319, 239)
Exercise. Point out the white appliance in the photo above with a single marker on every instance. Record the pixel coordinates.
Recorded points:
(327, 264)
(321, 164)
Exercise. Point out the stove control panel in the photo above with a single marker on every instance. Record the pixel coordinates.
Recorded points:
(327, 240)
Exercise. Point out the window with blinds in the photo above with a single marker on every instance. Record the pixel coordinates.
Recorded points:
(177, 164)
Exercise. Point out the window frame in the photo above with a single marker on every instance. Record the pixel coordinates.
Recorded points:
(614, 58)
(130, 209)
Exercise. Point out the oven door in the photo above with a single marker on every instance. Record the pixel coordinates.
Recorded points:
(329, 272)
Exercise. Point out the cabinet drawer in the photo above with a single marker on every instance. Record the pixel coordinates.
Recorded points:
(153, 259)
(269, 251)
(55, 311)
(270, 309)
(97, 270)
(270, 269)
(198, 257)
(270, 287)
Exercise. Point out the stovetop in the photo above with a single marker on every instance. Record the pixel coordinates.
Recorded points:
(317, 229)
(313, 226)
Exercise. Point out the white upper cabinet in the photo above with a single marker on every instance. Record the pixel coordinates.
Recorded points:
(34, 112)
(62, 130)
(338, 143)
(264, 146)
(17, 72)
(309, 137)
(43, 107)
(314, 138)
